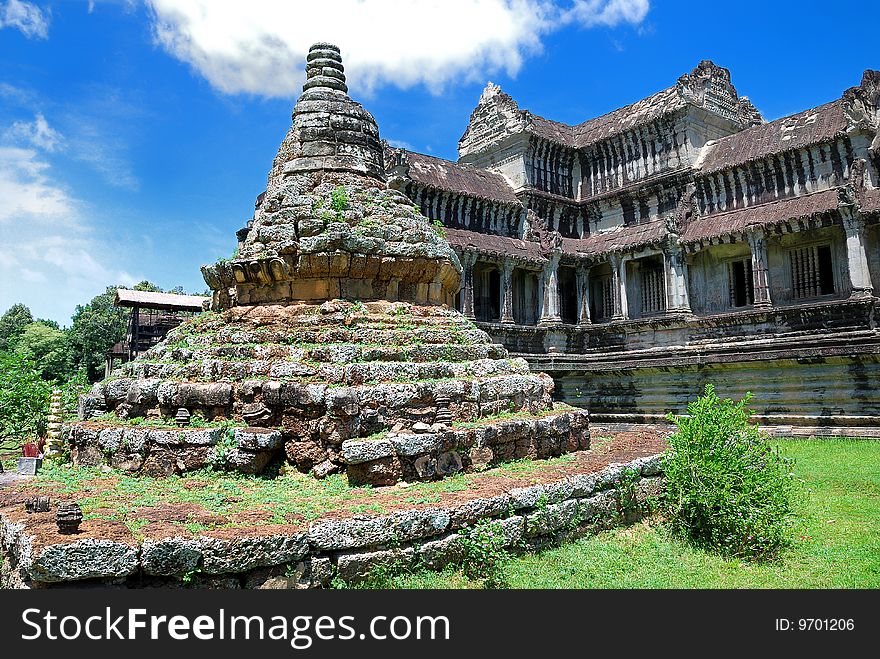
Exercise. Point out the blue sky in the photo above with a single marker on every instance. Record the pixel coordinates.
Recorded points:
(134, 136)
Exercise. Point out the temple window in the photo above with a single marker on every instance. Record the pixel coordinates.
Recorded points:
(487, 286)
(601, 298)
(812, 271)
(741, 282)
(652, 289)
(568, 294)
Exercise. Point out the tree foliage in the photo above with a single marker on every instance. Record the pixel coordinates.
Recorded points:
(13, 322)
(95, 328)
(24, 400)
(47, 348)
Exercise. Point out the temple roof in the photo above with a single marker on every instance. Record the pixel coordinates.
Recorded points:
(617, 239)
(607, 125)
(720, 224)
(870, 201)
(708, 86)
(447, 175)
(525, 250)
(796, 131)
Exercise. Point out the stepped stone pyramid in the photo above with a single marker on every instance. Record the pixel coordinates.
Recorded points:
(332, 340)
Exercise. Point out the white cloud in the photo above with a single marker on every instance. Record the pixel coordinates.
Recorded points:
(38, 133)
(26, 17)
(401, 144)
(258, 47)
(26, 189)
(609, 12)
(49, 250)
(55, 269)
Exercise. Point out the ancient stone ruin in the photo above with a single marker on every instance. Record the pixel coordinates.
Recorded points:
(678, 241)
(331, 341)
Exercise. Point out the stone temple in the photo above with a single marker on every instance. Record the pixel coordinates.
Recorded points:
(677, 241)
(332, 341)
(400, 317)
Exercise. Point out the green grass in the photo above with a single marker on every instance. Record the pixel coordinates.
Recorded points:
(289, 498)
(837, 544)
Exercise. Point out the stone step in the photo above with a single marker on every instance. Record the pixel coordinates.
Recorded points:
(332, 373)
(330, 335)
(342, 353)
(509, 391)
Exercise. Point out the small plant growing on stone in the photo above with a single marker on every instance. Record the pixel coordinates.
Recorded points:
(339, 199)
(484, 556)
(224, 447)
(728, 488)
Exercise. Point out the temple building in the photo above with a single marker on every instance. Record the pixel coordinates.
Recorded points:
(677, 241)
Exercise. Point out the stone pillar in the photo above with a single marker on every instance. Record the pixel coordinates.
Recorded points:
(54, 446)
(856, 257)
(760, 268)
(506, 305)
(675, 270)
(468, 261)
(550, 281)
(618, 287)
(583, 295)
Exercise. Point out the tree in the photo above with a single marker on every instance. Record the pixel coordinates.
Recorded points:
(13, 322)
(48, 322)
(147, 286)
(24, 401)
(96, 327)
(47, 348)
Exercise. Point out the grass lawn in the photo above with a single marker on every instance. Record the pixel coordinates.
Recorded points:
(836, 546)
(219, 499)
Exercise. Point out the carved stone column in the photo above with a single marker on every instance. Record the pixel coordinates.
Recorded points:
(856, 257)
(675, 269)
(760, 268)
(583, 295)
(550, 280)
(618, 288)
(468, 261)
(507, 292)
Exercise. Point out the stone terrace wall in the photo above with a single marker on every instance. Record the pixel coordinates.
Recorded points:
(529, 517)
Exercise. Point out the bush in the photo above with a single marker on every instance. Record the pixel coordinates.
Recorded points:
(24, 401)
(728, 489)
(483, 556)
(339, 199)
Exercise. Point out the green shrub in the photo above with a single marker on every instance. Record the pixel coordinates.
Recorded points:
(24, 401)
(728, 488)
(339, 199)
(483, 554)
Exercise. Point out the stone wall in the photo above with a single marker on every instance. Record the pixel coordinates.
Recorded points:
(529, 518)
(440, 451)
(807, 365)
(829, 392)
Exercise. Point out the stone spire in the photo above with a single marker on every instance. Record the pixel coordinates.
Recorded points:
(330, 132)
(327, 227)
(332, 324)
